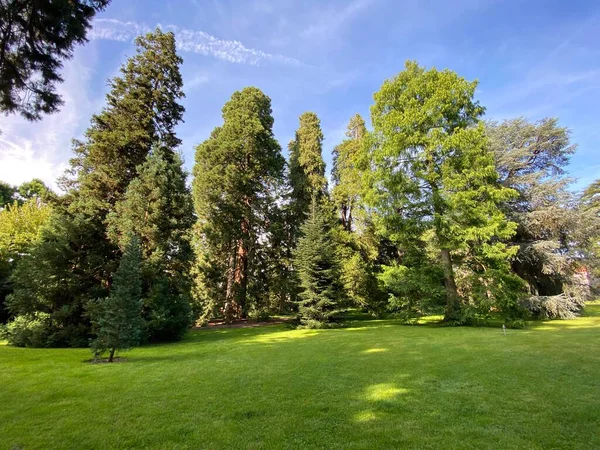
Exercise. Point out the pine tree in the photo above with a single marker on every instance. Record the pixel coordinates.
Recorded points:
(158, 208)
(318, 270)
(434, 184)
(117, 318)
(75, 259)
(236, 171)
(35, 38)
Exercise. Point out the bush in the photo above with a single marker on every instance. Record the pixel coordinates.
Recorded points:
(28, 330)
(562, 306)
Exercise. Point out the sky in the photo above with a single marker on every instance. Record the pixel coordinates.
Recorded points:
(532, 58)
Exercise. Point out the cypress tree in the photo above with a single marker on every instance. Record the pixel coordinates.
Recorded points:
(117, 318)
(318, 270)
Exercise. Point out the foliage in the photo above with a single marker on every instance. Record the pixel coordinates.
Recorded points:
(27, 330)
(237, 171)
(36, 188)
(6, 194)
(36, 37)
(306, 168)
(347, 171)
(560, 306)
(434, 186)
(20, 229)
(158, 208)
(73, 263)
(117, 319)
(318, 270)
(531, 159)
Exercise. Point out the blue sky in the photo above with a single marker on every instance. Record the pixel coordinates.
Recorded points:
(533, 58)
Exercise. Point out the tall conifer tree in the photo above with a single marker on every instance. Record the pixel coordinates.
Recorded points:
(306, 167)
(235, 174)
(142, 108)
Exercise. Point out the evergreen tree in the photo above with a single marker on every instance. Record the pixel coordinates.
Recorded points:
(117, 318)
(142, 108)
(306, 167)
(237, 169)
(531, 159)
(35, 39)
(318, 270)
(435, 187)
(158, 208)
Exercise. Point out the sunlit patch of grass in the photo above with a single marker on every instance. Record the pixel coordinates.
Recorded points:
(383, 392)
(375, 350)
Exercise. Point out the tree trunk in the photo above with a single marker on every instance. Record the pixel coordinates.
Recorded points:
(241, 275)
(229, 306)
(111, 355)
(452, 298)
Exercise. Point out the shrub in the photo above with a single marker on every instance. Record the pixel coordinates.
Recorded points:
(28, 330)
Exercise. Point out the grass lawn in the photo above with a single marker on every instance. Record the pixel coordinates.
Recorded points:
(375, 385)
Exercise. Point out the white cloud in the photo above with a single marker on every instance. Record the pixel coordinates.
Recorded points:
(190, 41)
(41, 149)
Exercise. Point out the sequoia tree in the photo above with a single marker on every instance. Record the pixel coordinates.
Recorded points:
(434, 184)
(306, 167)
(236, 172)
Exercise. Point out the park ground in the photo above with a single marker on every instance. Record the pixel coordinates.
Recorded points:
(372, 385)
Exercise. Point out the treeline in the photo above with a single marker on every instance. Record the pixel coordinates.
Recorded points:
(432, 211)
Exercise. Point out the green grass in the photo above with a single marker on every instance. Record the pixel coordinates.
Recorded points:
(376, 385)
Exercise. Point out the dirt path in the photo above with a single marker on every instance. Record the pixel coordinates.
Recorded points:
(242, 323)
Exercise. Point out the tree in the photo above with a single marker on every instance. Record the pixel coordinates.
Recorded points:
(158, 208)
(117, 318)
(531, 159)
(318, 270)
(6, 194)
(346, 173)
(357, 245)
(236, 171)
(35, 39)
(74, 261)
(20, 230)
(307, 168)
(36, 188)
(434, 184)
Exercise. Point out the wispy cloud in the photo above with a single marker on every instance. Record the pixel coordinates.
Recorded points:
(332, 20)
(190, 41)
